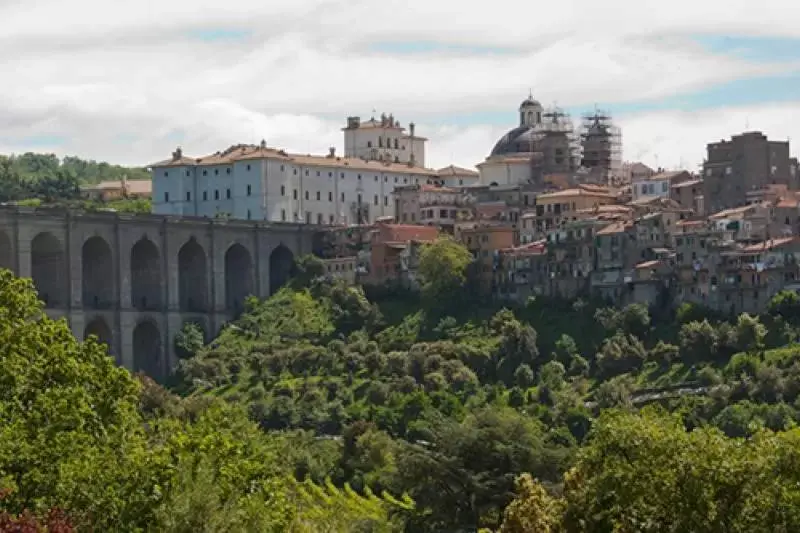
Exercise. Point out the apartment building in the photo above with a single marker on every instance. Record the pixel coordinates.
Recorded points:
(744, 163)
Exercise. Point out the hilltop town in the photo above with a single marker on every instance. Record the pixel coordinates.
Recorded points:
(552, 210)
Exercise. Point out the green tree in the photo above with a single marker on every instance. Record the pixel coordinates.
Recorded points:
(443, 268)
(189, 340)
(532, 509)
(71, 436)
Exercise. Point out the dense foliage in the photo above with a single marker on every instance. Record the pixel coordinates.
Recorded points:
(451, 403)
(36, 179)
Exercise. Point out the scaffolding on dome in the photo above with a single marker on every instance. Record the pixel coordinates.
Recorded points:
(601, 142)
(555, 148)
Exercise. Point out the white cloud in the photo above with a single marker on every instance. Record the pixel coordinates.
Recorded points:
(125, 82)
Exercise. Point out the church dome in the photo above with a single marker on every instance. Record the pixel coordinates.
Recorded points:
(520, 140)
(530, 102)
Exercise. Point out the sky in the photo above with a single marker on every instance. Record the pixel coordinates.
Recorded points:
(128, 82)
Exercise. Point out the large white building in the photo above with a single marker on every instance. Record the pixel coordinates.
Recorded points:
(383, 139)
(257, 182)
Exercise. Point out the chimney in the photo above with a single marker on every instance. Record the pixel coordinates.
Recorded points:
(411, 129)
(177, 154)
(332, 151)
(263, 144)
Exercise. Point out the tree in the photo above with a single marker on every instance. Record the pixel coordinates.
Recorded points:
(189, 340)
(531, 510)
(71, 436)
(750, 334)
(443, 268)
(307, 269)
(786, 304)
(646, 473)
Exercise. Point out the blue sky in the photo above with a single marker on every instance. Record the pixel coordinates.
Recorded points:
(140, 78)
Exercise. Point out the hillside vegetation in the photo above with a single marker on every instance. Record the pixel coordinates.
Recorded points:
(44, 179)
(451, 399)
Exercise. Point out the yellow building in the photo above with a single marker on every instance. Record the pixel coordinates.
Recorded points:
(551, 210)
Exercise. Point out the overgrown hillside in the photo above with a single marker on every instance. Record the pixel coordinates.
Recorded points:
(449, 399)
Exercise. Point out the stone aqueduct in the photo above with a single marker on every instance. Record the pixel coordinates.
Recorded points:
(135, 280)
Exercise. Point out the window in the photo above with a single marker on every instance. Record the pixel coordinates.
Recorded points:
(216, 172)
(228, 194)
(205, 196)
(385, 200)
(227, 171)
(295, 194)
(294, 171)
(376, 200)
(376, 179)
(188, 173)
(318, 196)
(664, 187)
(248, 214)
(283, 215)
(248, 168)
(166, 197)
(319, 218)
(306, 172)
(308, 217)
(283, 190)
(369, 144)
(343, 197)
(317, 173)
(330, 196)
(341, 175)
(359, 177)
(359, 198)
(205, 173)
(188, 196)
(330, 219)
(330, 174)
(282, 168)
(306, 195)
(166, 173)
(249, 190)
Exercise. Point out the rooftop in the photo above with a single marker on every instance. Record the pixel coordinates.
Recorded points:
(244, 152)
(769, 244)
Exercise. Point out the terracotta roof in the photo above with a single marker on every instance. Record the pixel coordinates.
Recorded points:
(612, 229)
(788, 203)
(453, 170)
(533, 248)
(573, 192)
(769, 245)
(252, 152)
(734, 211)
(605, 209)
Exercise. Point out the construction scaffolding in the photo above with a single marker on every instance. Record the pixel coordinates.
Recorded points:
(555, 149)
(601, 144)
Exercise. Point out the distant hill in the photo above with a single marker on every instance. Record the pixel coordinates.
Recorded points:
(32, 166)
